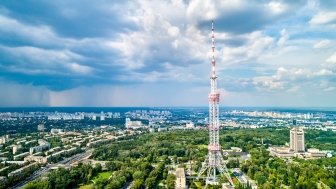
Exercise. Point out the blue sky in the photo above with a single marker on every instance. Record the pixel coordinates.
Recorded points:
(156, 53)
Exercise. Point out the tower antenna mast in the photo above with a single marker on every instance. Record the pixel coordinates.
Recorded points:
(214, 160)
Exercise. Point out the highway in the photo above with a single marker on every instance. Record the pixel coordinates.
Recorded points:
(47, 168)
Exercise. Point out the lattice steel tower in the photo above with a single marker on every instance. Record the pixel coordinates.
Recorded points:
(214, 160)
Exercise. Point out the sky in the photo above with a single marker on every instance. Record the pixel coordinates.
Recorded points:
(157, 53)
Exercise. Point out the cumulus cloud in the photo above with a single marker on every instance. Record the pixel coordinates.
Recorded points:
(255, 44)
(72, 47)
(332, 59)
(323, 18)
(322, 44)
(286, 80)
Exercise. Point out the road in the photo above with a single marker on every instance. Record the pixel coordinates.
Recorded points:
(47, 168)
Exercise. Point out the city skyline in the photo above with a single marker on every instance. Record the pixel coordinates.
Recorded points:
(142, 53)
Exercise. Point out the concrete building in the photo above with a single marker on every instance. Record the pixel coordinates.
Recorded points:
(132, 124)
(20, 156)
(190, 125)
(21, 170)
(42, 146)
(14, 162)
(297, 143)
(180, 182)
(56, 131)
(40, 127)
(283, 152)
(94, 117)
(16, 148)
(38, 159)
(297, 147)
(61, 153)
(102, 117)
(3, 140)
(233, 151)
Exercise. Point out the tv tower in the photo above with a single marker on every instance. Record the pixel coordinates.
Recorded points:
(214, 160)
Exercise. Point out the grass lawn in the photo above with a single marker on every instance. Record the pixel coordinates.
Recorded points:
(198, 184)
(102, 176)
(202, 146)
(88, 186)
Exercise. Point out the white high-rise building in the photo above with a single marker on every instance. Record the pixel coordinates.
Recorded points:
(297, 143)
(40, 127)
(132, 124)
(127, 122)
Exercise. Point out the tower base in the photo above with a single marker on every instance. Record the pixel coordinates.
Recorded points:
(214, 161)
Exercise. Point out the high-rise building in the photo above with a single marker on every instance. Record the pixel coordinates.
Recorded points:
(127, 122)
(297, 143)
(40, 127)
(16, 148)
(132, 124)
(3, 140)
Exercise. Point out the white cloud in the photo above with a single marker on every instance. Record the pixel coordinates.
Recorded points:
(323, 18)
(330, 89)
(332, 59)
(276, 7)
(324, 72)
(322, 44)
(256, 44)
(283, 38)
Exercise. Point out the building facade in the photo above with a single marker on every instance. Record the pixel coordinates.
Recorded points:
(297, 143)
(180, 182)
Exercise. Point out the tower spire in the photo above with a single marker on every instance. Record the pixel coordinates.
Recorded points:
(213, 61)
(214, 160)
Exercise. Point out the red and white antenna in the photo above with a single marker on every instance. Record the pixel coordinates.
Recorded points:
(213, 61)
(214, 160)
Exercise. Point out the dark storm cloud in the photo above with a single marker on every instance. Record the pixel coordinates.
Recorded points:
(60, 44)
(253, 15)
(65, 44)
(75, 19)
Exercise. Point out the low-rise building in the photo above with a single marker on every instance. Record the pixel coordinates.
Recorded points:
(100, 141)
(3, 179)
(180, 182)
(3, 158)
(20, 156)
(42, 146)
(61, 153)
(21, 170)
(38, 159)
(233, 151)
(56, 131)
(15, 162)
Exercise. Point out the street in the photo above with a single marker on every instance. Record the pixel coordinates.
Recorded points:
(47, 168)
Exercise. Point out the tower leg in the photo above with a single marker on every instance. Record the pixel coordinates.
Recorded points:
(211, 168)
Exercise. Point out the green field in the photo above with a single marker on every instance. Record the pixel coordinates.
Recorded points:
(102, 176)
(88, 186)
